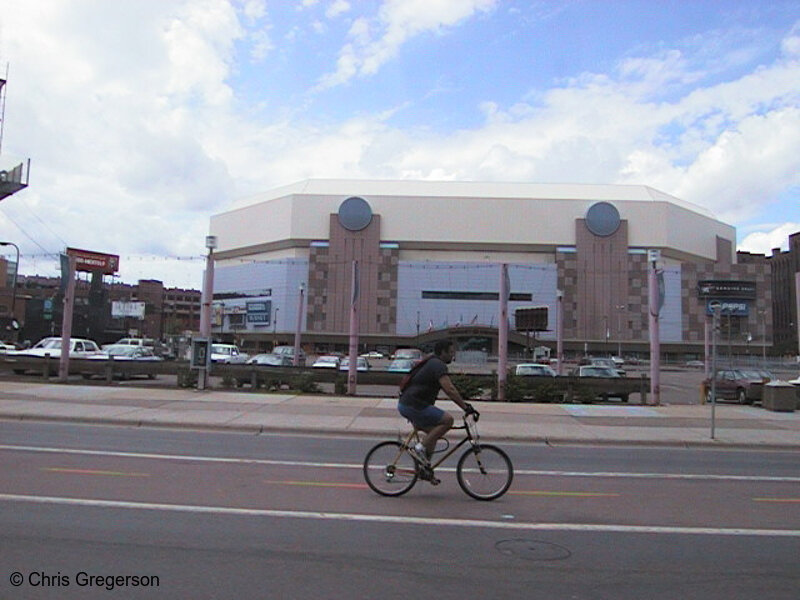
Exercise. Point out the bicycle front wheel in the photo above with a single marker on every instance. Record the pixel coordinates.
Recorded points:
(484, 472)
(389, 470)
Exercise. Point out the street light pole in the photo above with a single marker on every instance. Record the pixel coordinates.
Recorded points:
(14, 287)
(299, 328)
(620, 308)
(560, 330)
(205, 307)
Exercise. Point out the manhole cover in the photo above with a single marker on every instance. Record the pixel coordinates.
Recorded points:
(532, 550)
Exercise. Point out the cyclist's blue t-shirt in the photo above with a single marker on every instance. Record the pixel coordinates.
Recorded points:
(424, 386)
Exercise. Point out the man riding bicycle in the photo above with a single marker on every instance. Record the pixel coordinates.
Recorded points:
(418, 396)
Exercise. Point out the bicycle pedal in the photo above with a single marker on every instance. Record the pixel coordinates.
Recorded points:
(434, 480)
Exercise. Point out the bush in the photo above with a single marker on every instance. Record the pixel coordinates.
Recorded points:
(187, 378)
(304, 383)
(469, 386)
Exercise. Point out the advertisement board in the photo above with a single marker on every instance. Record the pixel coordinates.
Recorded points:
(121, 309)
(726, 289)
(94, 262)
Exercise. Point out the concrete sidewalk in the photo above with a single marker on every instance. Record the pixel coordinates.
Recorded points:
(736, 426)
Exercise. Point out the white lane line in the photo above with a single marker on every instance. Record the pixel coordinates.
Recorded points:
(400, 520)
(334, 465)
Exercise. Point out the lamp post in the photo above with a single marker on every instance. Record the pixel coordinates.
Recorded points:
(620, 308)
(560, 330)
(299, 328)
(208, 288)
(14, 324)
(205, 307)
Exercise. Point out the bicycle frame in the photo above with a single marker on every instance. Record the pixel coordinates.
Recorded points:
(413, 437)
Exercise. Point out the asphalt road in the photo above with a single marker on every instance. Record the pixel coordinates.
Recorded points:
(230, 515)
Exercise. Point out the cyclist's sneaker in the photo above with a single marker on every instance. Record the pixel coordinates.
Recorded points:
(426, 474)
(419, 454)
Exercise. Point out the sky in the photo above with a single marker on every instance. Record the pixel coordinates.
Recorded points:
(142, 118)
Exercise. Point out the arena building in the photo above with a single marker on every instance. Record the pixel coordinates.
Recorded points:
(429, 258)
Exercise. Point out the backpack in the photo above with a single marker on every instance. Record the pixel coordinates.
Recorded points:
(406, 380)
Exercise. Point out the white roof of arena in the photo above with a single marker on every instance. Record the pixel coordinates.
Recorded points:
(521, 216)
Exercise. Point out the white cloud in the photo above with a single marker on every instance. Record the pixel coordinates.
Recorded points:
(396, 23)
(337, 8)
(137, 136)
(763, 242)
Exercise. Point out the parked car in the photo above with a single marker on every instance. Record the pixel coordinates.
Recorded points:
(121, 352)
(534, 370)
(51, 347)
(401, 365)
(599, 361)
(327, 362)
(6, 348)
(373, 354)
(361, 364)
(597, 371)
(412, 353)
(125, 353)
(695, 364)
(605, 373)
(227, 354)
(289, 351)
(155, 345)
(270, 360)
(743, 386)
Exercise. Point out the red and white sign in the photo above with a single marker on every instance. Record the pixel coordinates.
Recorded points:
(94, 262)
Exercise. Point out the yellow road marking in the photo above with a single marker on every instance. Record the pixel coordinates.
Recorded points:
(318, 484)
(95, 472)
(783, 500)
(570, 494)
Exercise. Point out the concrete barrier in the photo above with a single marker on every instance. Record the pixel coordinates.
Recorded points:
(779, 396)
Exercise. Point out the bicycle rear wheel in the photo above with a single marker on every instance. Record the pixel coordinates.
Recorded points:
(389, 470)
(484, 472)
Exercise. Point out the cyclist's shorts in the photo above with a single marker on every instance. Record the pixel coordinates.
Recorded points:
(430, 416)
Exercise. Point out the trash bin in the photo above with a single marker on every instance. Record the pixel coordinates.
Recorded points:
(779, 396)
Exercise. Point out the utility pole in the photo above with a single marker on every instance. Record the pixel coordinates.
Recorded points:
(655, 342)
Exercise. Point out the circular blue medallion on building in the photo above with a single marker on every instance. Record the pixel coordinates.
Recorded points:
(355, 214)
(602, 219)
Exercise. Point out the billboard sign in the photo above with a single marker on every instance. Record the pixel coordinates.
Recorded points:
(259, 312)
(531, 319)
(121, 309)
(94, 262)
(726, 289)
(733, 308)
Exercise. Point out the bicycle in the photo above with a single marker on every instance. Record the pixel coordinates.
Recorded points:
(484, 471)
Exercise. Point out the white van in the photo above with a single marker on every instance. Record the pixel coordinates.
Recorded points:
(228, 354)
